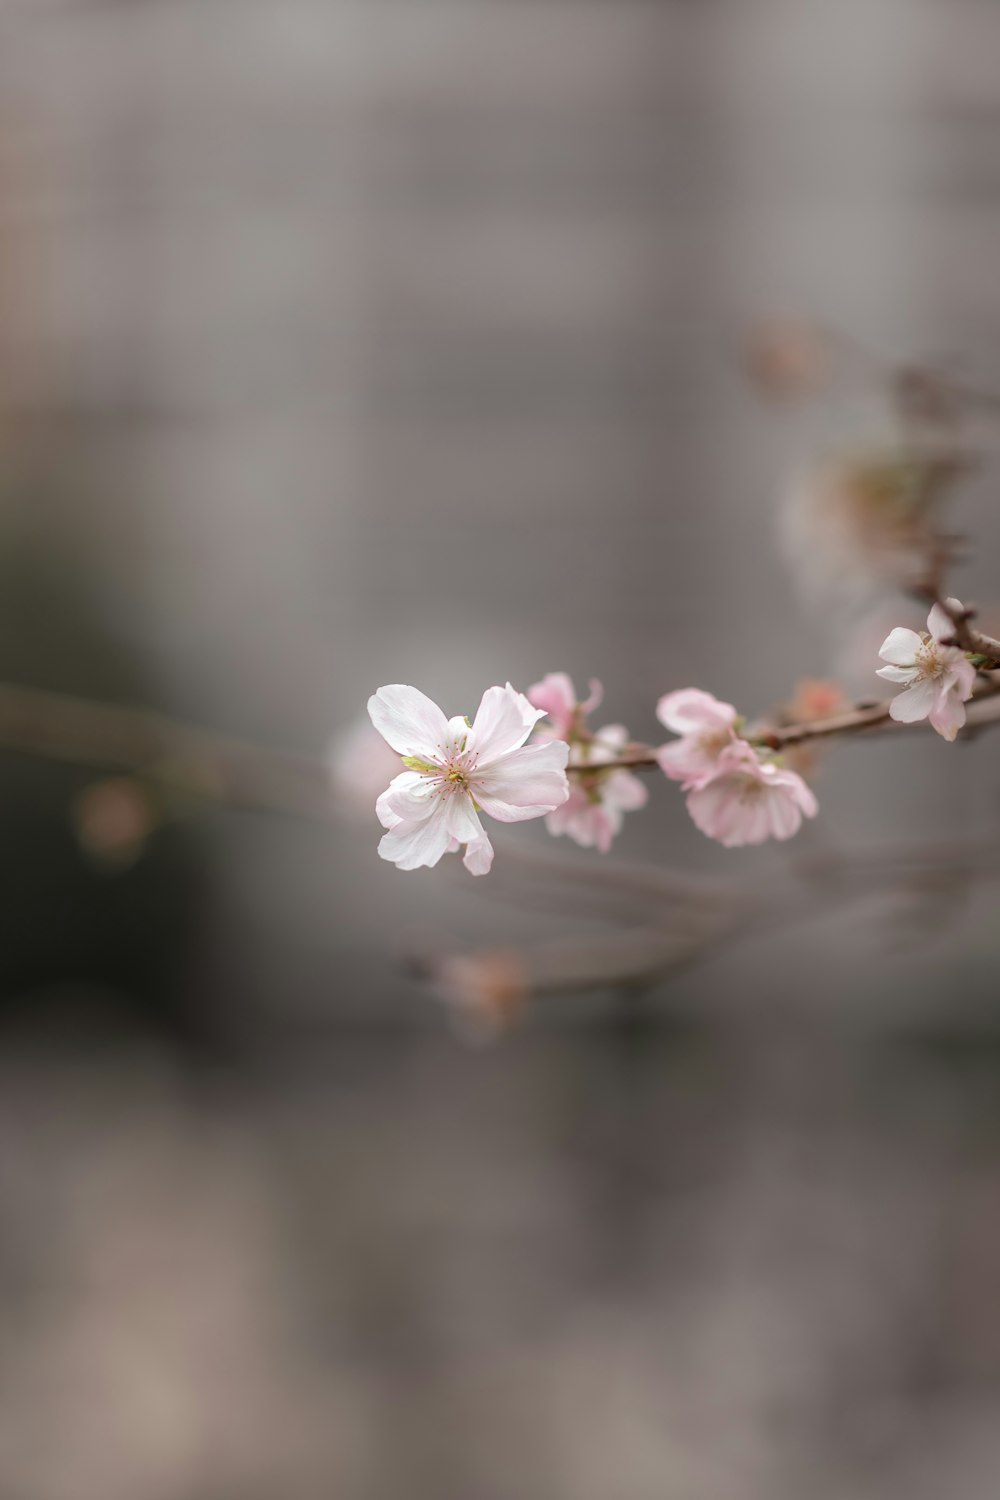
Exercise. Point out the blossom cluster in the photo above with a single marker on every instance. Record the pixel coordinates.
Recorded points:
(582, 781)
(735, 792)
(457, 769)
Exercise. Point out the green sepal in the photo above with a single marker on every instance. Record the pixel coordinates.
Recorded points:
(414, 763)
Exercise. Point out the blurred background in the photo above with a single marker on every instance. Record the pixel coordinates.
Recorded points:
(346, 342)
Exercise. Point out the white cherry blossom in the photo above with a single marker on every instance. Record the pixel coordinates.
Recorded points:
(456, 770)
(938, 679)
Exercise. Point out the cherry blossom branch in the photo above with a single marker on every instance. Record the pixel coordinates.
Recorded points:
(865, 718)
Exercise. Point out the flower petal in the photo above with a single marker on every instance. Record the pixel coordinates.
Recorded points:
(939, 621)
(526, 783)
(408, 799)
(595, 699)
(623, 790)
(948, 714)
(503, 722)
(900, 647)
(555, 695)
(689, 709)
(479, 855)
(898, 674)
(463, 824)
(915, 703)
(412, 845)
(408, 720)
(716, 809)
(783, 813)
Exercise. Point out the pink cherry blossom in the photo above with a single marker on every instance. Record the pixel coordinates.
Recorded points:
(556, 696)
(938, 679)
(595, 810)
(456, 770)
(748, 800)
(707, 730)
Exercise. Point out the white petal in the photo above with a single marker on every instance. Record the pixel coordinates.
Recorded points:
(898, 674)
(525, 784)
(408, 720)
(503, 722)
(939, 622)
(412, 845)
(479, 855)
(900, 647)
(463, 824)
(916, 703)
(408, 799)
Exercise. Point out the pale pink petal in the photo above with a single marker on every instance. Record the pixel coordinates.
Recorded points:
(595, 699)
(408, 799)
(803, 794)
(948, 714)
(689, 709)
(754, 823)
(479, 855)
(525, 784)
(687, 761)
(741, 756)
(622, 789)
(607, 743)
(408, 720)
(555, 695)
(413, 845)
(603, 827)
(900, 647)
(558, 821)
(915, 703)
(964, 674)
(503, 722)
(784, 814)
(715, 808)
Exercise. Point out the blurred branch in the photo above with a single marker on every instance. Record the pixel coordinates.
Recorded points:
(193, 761)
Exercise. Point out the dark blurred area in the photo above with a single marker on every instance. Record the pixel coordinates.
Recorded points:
(346, 342)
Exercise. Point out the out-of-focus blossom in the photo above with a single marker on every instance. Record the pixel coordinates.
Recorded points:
(113, 819)
(360, 764)
(486, 991)
(455, 770)
(938, 679)
(556, 696)
(788, 358)
(595, 810)
(814, 698)
(748, 800)
(866, 520)
(706, 727)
